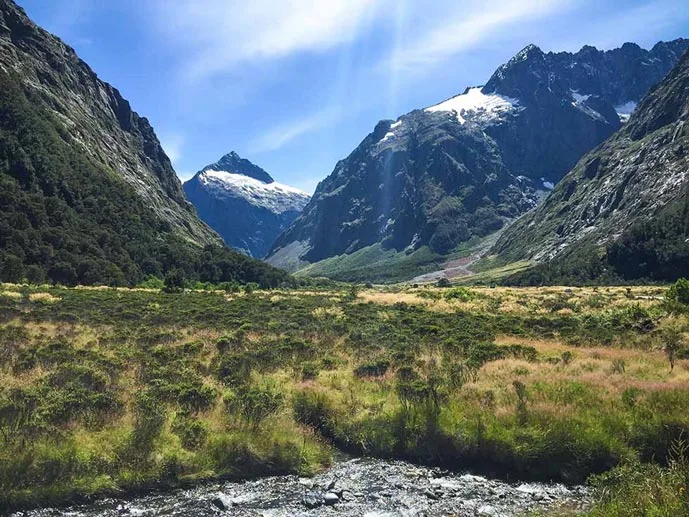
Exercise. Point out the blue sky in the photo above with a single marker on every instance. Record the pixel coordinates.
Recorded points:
(295, 85)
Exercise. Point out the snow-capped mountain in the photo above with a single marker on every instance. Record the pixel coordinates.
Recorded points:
(243, 203)
(457, 170)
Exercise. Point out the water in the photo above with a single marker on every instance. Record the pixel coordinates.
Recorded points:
(364, 487)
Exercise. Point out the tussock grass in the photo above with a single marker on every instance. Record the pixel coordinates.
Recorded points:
(109, 389)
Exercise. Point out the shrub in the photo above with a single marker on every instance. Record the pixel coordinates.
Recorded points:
(150, 418)
(444, 283)
(567, 357)
(191, 432)
(309, 371)
(677, 297)
(174, 281)
(679, 292)
(152, 282)
(618, 366)
(255, 404)
(522, 411)
(460, 293)
(375, 369)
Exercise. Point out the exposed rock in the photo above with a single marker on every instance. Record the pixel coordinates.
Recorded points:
(438, 177)
(331, 498)
(636, 176)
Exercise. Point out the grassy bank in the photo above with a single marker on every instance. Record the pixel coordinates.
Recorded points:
(107, 390)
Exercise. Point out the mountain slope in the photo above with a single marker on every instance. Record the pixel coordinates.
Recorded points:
(624, 209)
(243, 203)
(456, 171)
(88, 194)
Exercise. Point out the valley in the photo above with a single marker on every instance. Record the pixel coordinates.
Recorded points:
(482, 310)
(113, 391)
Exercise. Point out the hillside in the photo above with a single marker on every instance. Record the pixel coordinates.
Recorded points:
(456, 172)
(88, 194)
(243, 203)
(623, 211)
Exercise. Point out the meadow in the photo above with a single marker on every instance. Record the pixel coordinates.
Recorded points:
(109, 390)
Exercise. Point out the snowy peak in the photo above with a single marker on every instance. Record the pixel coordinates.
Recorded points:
(235, 164)
(273, 196)
(243, 203)
(476, 106)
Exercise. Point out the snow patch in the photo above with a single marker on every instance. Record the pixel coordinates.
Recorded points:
(625, 110)
(579, 98)
(275, 196)
(391, 134)
(474, 105)
(549, 185)
(579, 102)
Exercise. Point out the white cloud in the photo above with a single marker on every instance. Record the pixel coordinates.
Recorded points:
(466, 25)
(219, 35)
(280, 135)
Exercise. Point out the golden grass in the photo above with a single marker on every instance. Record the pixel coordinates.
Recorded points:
(45, 298)
(336, 313)
(12, 295)
(645, 370)
(522, 300)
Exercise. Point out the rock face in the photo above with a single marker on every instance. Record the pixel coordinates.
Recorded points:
(439, 176)
(630, 191)
(87, 194)
(243, 203)
(95, 118)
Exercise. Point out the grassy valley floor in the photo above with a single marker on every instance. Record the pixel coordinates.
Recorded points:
(115, 390)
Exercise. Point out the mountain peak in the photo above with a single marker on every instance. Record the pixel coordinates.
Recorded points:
(243, 203)
(235, 164)
(530, 50)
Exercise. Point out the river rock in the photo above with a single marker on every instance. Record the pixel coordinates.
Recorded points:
(431, 495)
(331, 498)
(486, 511)
(312, 502)
(219, 504)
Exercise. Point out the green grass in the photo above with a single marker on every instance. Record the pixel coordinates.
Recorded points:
(374, 264)
(107, 390)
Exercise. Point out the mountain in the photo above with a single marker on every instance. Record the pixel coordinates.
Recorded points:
(87, 194)
(455, 172)
(241, 202)
(623, 211)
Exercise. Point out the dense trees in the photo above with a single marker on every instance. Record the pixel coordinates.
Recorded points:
(69, 219)
(653, 250)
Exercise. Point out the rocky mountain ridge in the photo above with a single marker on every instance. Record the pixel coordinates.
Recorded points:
(631, 191)
(458, 170)
(96, 118)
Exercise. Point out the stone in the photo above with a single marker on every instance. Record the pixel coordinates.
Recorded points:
(331, 499)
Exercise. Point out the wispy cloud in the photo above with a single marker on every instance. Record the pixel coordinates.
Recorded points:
(220, 35)
(280, 135)
(644, 23)
(466, 25)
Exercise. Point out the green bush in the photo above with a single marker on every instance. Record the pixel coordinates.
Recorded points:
(255, 404)
(375, 369)
(192, 433)
(679, 292)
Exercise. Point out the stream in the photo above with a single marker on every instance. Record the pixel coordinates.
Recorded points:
(354, 487)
